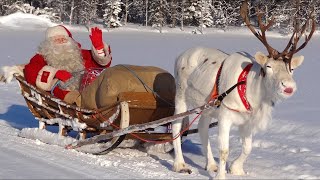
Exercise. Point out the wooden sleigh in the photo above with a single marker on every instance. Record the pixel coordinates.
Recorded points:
(131, 108)
(134, 115)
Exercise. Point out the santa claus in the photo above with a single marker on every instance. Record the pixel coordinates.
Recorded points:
(62, 67)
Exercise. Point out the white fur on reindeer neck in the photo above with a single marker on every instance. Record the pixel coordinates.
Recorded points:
(230, 74)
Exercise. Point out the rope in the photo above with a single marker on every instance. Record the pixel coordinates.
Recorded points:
(217, 103)
(146, 86)
(153, 141)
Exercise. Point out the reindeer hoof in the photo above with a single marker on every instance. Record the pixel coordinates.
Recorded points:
(238, 172)
(237, 169)
(185, 170)
(181, 168)
(212, 168)
(220, 176)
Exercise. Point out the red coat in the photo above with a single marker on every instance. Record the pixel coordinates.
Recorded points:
(39, 74)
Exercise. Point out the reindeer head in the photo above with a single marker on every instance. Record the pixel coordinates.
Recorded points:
(278, 67)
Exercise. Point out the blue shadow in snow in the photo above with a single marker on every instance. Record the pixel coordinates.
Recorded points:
(19, 117)
(188, 147)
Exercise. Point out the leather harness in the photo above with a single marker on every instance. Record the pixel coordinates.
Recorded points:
(241, 86)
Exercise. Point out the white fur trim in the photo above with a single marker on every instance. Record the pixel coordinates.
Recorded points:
(9, 71)
(102, 60)
(101, 52)
(50, 80)
(55, 31)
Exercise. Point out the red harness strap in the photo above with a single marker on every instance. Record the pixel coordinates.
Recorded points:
(241, 87)
(215, 90)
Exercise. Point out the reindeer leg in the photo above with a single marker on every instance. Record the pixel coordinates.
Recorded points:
(223, 138)
(179, 164)
(237, 165)
(203, 127)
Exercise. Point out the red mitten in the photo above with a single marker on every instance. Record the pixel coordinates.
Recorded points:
(63, 75)
(96, 38)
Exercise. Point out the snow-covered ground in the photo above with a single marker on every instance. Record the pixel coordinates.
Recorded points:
(288, 149)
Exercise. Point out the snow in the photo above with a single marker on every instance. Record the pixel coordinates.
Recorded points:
(20, 19)
(288, 149)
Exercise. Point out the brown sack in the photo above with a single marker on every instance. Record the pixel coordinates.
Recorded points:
(125, 78)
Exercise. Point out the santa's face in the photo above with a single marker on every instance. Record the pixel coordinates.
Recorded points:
(60, 39)
(62, 44)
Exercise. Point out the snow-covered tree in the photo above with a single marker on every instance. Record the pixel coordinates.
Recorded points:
(19, 6)
(226, 13)
(198, 13)
(173, 15)
(70, 13)
(111, 16)
(87, 11)
(48, 13)
(158, 11)
(137, 13)
(204, 16)
(4, 4)
(45, 12)
(182, 10)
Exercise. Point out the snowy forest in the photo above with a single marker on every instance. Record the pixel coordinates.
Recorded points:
(162, 13)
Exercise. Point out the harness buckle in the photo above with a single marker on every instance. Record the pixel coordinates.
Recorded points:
(217, 103)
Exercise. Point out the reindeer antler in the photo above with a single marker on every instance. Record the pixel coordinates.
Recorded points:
(292, 45)
(287, 54)
(263, 27)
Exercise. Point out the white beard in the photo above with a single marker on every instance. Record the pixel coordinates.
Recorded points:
(65, 56)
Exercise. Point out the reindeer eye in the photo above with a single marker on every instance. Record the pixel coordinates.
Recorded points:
(268, 66)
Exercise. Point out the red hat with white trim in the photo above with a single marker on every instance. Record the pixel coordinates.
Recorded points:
(58, 30)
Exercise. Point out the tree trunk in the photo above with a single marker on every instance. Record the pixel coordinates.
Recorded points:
(146, 12)
(182, 14)
(201, 17)
(126, 13)
(71, 12)
(174, 13)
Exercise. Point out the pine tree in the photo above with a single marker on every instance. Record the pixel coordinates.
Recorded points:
(173, 15)
(199, 14)
(137, 13)
(226, 13)
(111, 16)
(158, 10)
(87, 11)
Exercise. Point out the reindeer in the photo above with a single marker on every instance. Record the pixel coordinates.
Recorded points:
(261, 81)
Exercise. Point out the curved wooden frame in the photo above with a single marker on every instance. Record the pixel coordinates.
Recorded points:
(135, 108)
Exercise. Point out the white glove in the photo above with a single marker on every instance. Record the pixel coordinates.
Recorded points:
(7, 72)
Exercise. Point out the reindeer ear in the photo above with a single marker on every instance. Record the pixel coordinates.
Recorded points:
(261, 58)
(296, 61)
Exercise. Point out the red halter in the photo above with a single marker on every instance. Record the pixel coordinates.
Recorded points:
(242, 87)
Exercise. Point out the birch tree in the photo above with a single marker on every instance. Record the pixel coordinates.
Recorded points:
(127, 5)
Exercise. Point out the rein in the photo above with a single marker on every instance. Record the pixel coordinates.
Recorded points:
(216, 102)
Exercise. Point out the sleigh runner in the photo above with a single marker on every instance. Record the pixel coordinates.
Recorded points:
(135, 115)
